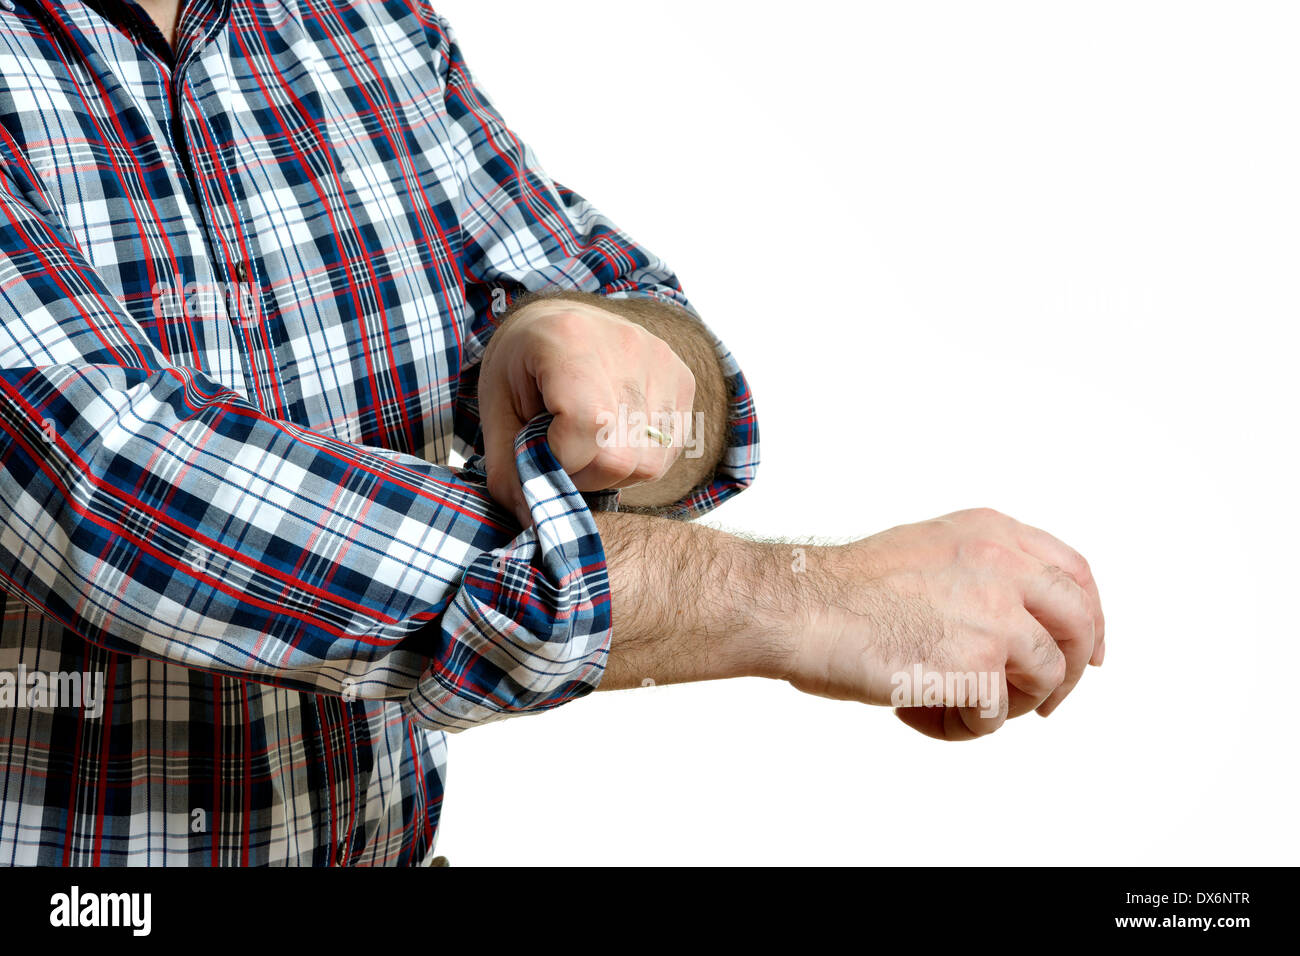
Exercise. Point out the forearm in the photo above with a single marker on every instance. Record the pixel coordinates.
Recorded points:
(973, 596)
(690, 603)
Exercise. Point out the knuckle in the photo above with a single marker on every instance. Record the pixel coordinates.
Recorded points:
(647, 470)
(632, 394)
(988, 553)
(1087, 618)
(999, 604)
(1082, 609)
(616, 462)
(565, 324)
(1059, 579)
(985, 655)
(662, 352)
(1063, 580)
(990, 604)
(629, 336)
(580, 415)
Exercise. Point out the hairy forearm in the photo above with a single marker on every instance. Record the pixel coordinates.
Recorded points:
(692, 603)
(971, 593)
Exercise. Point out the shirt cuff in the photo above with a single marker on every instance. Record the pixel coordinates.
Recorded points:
(529, 628)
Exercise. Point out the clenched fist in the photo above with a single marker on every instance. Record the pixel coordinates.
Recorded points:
(974, 592)
(608, 381)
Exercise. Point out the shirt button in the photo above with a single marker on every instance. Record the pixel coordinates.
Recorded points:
(241, 270)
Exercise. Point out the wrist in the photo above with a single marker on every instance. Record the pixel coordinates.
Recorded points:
(761, 603)
(797, 585)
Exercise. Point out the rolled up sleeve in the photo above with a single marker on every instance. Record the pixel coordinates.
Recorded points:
(158, 513)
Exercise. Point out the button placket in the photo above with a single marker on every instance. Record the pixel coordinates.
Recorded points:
(263, 377)
(187, 144)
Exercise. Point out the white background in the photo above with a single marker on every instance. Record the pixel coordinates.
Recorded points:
(1035, 256)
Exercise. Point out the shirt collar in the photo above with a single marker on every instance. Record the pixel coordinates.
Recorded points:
(200, 20)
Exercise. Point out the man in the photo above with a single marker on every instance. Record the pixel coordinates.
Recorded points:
(265, 266)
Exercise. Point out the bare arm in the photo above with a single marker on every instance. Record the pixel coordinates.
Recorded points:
(974, 592)
(692, 603)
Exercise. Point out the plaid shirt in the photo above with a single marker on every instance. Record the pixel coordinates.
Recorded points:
(243, 293)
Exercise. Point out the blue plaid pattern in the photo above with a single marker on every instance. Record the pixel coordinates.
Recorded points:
(243, 295)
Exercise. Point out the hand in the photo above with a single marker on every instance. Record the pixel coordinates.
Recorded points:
(972, 592)
(581, 363)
